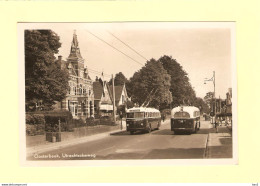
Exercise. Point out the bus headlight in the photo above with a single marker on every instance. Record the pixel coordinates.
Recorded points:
(142, 124)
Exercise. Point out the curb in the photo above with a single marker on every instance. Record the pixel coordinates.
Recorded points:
(32, 150)
(49, 147)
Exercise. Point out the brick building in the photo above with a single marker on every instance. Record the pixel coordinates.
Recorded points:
(80, 97)
(224, 108)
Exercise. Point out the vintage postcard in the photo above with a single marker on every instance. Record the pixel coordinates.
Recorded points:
(127, 93)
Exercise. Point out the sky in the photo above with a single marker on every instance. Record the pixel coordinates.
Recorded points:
(199, 47)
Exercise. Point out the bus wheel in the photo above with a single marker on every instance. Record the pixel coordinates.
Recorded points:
(196, 129)
(149, 129)
(158, 126)
(131, 132)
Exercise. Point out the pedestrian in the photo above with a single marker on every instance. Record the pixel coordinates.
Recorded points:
(216, 126)
(163, 117)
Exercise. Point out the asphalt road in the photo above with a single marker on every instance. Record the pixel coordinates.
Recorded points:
(159, 144)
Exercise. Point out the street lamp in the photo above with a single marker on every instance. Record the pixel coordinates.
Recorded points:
(214, 96)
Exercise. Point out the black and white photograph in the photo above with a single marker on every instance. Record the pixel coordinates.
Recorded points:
(128, 91)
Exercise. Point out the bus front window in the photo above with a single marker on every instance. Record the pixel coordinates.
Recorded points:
(135, 115)
(130, 115)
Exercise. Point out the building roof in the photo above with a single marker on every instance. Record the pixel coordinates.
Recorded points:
(74, 50)
(118, 92)
(97, 89)
(66, 65)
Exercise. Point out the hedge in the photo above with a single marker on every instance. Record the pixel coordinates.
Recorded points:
(51, 120)
(32, 119)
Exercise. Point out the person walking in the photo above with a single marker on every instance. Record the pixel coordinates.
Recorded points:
(163, 117)
(216, 126)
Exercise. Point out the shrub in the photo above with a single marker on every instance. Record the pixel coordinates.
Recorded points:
(90, 121)
(29, 119)
(30, 130)
(51, 119)
(32, 118)
(78, 123)
(39, 118)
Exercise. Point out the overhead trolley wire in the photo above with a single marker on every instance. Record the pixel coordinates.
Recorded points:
(99, 72)
(128, 46)
(115, 48)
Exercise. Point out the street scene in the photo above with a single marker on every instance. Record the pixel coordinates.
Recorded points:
(128, 91)
(159, 144)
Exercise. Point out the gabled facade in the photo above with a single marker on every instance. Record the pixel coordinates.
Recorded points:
(120, 95)
(102, 98)
(80, 96)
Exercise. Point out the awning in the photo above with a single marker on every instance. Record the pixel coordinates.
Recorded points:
(106, 107)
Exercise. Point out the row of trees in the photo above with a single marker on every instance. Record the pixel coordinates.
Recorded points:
(162, 84)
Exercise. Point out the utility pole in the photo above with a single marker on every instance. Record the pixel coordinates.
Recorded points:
(213, 79)
(114, 106)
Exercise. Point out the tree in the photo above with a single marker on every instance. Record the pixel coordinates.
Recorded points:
(150, 85)
(180, 87)
(200, 103)
(120, 79)
(209, 98)
(45, 81)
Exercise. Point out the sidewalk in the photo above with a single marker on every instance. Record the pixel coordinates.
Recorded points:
(39, 145)
(47, 146)
(219, 144)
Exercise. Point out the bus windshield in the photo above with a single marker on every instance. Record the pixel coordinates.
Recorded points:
(181, 115)
(135, 115)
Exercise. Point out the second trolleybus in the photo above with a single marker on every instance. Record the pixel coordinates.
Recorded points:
(185, 119)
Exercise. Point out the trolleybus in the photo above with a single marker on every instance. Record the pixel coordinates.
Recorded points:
(142, 119)
(185, 119)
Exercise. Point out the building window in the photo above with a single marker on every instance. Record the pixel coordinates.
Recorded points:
(123, 99)
(80, 89)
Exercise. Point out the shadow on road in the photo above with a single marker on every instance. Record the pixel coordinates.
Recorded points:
(225, 140)
(125, 133)
(168, 153)
(163, 132)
